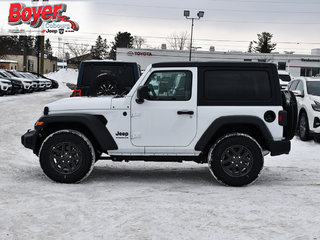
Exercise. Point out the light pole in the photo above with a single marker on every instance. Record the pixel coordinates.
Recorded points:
(186, 13)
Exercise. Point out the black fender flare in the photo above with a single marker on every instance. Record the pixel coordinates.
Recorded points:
(228, 120)
(96, 124)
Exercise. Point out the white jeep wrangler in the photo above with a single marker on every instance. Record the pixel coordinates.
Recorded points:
(228, 115)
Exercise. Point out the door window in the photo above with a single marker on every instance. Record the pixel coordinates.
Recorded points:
(170, 85)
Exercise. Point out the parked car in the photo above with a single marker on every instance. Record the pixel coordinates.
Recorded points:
(5, 87)
(17, 86)
(284, 78)
(307, 92)
(228, 115)
(41, 85)
(26, 83)
(54, 83)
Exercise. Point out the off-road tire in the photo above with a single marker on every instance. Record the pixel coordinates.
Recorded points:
(235, 159)
(316, 139)
(67, 156)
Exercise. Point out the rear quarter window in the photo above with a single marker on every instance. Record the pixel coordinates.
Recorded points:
(236, 85)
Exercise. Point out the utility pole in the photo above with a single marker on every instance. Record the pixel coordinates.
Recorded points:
(191, 39)
(42, 56)
(38, 54)
(41, 42)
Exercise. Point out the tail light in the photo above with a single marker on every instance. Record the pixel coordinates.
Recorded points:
(282, 118)
(77, 93)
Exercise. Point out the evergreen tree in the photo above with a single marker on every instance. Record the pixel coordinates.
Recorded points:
(26, 42)
(10, 45)
(47, 47)
(264, 44)
(100, 49)
(122, 39)
(250, 47)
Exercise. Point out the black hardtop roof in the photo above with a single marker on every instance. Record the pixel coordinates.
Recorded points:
(212, 64)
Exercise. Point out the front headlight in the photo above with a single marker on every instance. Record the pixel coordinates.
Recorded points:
(316, 106)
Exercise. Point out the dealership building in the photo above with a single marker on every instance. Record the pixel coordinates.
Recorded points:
(295, 64)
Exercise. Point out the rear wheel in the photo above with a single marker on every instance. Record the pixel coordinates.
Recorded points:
(67, 156)
(236, 160)
(304, 127)
(317, 139)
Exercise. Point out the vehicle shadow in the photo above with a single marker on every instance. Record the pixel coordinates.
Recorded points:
(198, 175)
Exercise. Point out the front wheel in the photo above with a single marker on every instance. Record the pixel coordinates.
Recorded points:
(67, 156)
(236, 159)
(303, 127)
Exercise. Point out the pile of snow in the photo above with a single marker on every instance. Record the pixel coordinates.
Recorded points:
(64, 76)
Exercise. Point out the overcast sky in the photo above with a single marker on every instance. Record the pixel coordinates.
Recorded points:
(227, 24)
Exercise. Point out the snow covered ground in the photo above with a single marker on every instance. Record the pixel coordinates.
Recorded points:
(140, 200)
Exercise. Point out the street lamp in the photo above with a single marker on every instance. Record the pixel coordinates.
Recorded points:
(186, 13)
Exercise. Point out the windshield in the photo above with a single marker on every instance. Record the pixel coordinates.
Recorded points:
(35, 76)
(313, 88)
(285, 78)
(6, 74)
(9, 74)
(3, 75)
(28, 75)
(14, 74)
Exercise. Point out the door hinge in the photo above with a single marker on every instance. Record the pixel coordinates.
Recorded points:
(135, 135)
(135, 114)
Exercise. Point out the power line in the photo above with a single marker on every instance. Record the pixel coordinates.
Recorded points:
(211, 20)
(214, 9)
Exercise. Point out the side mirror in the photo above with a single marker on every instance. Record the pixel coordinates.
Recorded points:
(142, 93)
(298, 93)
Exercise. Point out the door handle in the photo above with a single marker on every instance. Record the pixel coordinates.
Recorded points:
(185, 112)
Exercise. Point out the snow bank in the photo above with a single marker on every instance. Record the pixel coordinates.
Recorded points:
(64, 76)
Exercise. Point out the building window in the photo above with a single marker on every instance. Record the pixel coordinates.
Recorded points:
(282, 65)
(30, 65)
(11, 68)
(309, 72)
(262, 60)
(247, 60)
(15, 67)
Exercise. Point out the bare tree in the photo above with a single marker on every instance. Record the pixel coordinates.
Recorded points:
(79, 52)
(138, 41)
(265, 58)
(178, 41)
